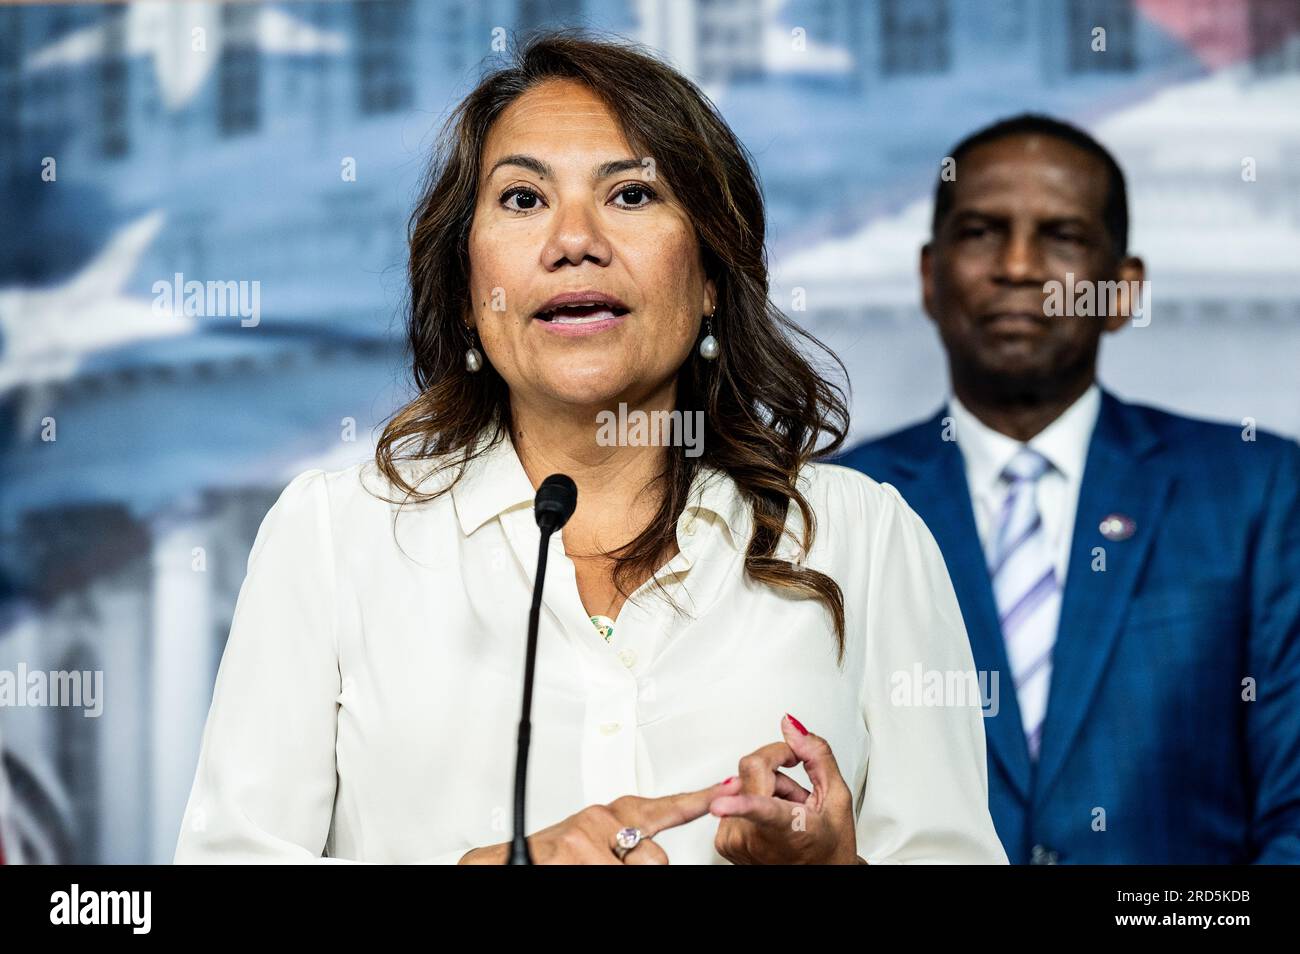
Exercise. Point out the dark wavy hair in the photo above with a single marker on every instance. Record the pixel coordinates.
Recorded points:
(766, 405)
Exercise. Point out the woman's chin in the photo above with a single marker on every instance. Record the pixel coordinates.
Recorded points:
(586, 384)
(591, 398)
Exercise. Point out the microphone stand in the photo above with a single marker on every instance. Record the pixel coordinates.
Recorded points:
(519, 853)
(553, 506)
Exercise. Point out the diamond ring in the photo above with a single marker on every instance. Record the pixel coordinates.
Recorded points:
(626, 840)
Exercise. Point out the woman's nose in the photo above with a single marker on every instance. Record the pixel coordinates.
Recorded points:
(575, 237)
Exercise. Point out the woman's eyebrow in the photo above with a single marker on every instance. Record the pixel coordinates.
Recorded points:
(543, 169)
(614, 167)
(527, 162)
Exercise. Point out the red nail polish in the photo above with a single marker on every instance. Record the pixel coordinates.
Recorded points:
(796, 723)
(727, 779)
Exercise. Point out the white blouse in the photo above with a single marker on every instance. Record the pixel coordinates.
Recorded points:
(367, 703)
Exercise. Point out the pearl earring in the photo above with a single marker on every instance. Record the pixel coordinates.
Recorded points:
(473, 357)
(709, 349)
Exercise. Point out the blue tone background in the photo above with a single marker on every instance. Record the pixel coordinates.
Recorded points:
(210, 139)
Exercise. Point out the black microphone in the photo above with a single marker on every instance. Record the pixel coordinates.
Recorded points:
(553, 506)
(555, 501)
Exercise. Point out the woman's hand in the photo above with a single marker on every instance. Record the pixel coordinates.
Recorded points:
(587, 838)
(770, 819)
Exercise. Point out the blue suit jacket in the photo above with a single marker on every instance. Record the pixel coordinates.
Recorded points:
(1146, 720)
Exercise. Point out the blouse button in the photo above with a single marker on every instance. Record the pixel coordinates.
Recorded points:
(628, 657)
(609, 728)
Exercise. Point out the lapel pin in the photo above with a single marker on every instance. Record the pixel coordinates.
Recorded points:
(1117, 526)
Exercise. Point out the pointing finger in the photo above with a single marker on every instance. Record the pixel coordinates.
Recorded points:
(653, 815)
(760, 809)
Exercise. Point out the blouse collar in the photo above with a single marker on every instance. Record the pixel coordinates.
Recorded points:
(494, 483)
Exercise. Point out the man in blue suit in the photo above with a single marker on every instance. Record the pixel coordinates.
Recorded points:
(1134, 574)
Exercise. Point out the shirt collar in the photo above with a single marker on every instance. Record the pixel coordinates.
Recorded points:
(714, 491)
(1064, 442)
(495, 483)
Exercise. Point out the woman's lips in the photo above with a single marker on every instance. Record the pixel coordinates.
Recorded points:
(581, 321)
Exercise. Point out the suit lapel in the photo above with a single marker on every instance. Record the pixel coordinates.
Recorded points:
(1116, 480)
(941, 495)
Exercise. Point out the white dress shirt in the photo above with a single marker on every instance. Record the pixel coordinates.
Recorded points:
(367, 703)
(1064, 443)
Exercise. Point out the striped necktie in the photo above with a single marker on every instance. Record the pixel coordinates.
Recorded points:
(1027, 591)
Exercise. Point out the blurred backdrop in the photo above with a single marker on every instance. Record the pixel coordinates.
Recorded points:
(272, 151)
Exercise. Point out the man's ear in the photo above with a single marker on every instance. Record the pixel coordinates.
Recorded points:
(927, 277)
(1130, 301)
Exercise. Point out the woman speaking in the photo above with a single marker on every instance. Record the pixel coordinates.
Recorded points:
(724, 622)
